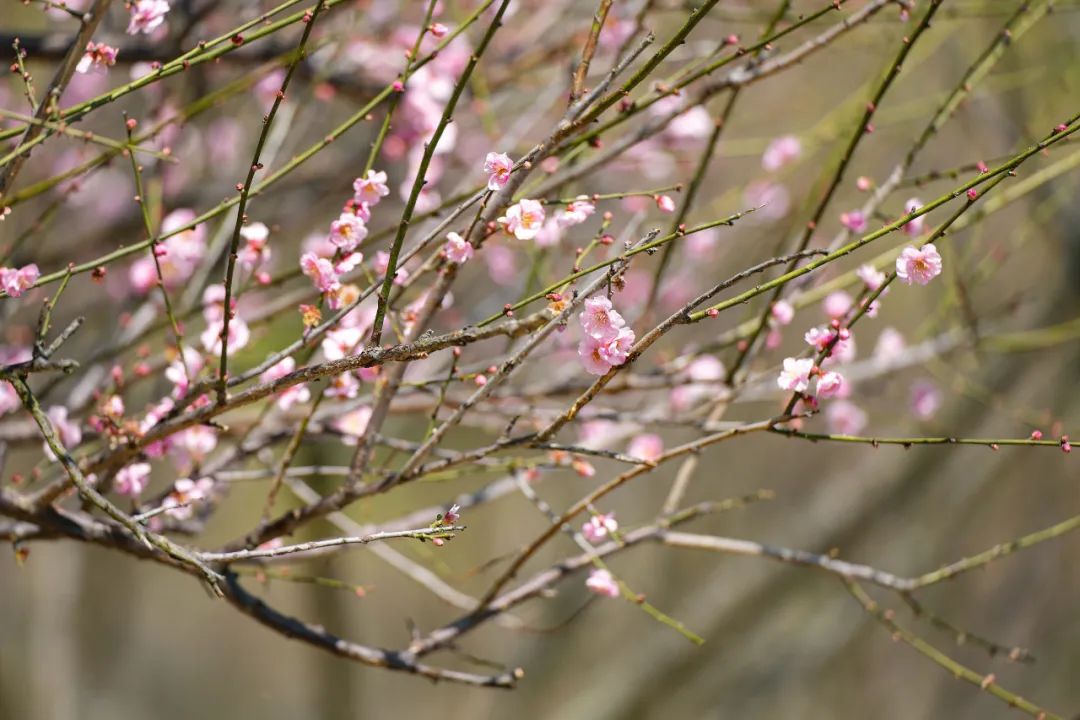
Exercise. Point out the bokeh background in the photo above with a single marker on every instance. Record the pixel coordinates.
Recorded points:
(87, 633)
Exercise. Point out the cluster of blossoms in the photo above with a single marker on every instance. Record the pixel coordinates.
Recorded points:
(178, 255)
(607, 341)
(834, 342)
(256, 252)
(326, 260)
(16, 281)
(97, 58)
(214, 314)
(146, 16)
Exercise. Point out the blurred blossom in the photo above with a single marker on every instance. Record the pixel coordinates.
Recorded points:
(16, 281)
(98, 58)
(845, 418)
(854, 221)
(702, 244)
(890, 345)
(871, 277)
(185, 493)
(267, 88)
(599, 434)
(836, 304)
(502, 264)
(925, 399)
(294, 394)
(9, 399)
(914, 228)
(647, 446)
(178, 255)
(780, 152)
(602, 583)
(132, 479)
(146, 16)
(771, 198)
(782, 312)
(352, 424)
(69, 431)
(598, 527)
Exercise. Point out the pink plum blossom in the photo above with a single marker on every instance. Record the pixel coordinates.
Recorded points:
(17, 281)
(132, 479)
(577, 212)
(599, 319)
(98, 57)
(919, 266)
(371, 188)
(665, 203)
(829, 384)
(457, 249)
(780, 152)
(146, 16)
(498, 167)
(796, 374)
(347, 231)
(602, 583)
(591, 358)
(616, 350)
(598, 527)
(255, 251)
(321, 271)
(524, 219)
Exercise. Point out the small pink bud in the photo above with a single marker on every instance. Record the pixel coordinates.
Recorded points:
(399, 86)
(480, 380)
(439, 30)
(981, 166)
(665, 203)
(131, 123)
(864, 183)
(972, 194)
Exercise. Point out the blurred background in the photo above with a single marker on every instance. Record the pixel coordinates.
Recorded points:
(89, 633)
